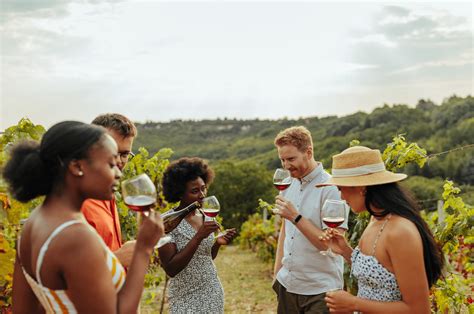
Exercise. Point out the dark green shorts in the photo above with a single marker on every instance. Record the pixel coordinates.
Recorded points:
(296, 303)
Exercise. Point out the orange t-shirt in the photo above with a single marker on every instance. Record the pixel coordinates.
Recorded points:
(103, 216)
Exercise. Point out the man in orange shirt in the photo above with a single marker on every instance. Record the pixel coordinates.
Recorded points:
(103, 215)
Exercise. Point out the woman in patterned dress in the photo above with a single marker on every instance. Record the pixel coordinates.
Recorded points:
(397, 259)
(194, 286)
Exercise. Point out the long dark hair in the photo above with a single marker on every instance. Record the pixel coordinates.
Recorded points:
(394, 199)
(35, 168)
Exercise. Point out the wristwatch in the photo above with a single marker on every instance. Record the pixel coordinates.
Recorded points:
(297, 218)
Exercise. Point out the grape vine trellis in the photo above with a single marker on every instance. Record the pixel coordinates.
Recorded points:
(453, 292)
(11, 211)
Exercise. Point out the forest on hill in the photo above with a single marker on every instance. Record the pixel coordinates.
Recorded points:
(242, 150)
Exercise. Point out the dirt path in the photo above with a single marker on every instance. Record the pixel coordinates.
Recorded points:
(246, 281)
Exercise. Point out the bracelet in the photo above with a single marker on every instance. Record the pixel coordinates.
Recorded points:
(298, 218)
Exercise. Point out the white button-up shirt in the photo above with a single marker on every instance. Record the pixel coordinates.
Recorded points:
(304, 270)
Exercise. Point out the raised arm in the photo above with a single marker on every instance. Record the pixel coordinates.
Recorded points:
(313, 233)
(125, 253)
(151, 230)
(85, 272)
(224, 239)
(339, 245)
(310, 231)
(88, 278)
(172, 261)
(405, 250)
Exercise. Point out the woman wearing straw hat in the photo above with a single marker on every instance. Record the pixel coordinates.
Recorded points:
(397, 259)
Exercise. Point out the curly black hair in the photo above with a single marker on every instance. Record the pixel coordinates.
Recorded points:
(180, 172)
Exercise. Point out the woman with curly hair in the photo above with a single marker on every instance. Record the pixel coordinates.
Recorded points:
(188, 258)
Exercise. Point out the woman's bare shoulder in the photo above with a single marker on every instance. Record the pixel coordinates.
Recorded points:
(79, 237)
(403, 231)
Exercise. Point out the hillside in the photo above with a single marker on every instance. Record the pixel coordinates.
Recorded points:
(436, 128)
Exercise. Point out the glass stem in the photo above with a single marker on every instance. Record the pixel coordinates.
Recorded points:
(139, 219)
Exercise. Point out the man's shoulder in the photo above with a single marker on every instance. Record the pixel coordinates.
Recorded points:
(323, 177)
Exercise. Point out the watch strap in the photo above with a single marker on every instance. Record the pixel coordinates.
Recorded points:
(298, 218)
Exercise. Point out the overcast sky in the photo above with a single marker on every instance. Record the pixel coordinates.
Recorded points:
(156, 60)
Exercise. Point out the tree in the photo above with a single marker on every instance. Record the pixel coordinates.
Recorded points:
(238, 186)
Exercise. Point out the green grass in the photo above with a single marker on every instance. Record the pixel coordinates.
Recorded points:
(246, 280)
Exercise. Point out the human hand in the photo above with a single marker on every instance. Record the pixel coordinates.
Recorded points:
(340, 301)
(150, 231)
(335, 239)
(227, 236)
(206, 229)
(125, 253)
(285, 208)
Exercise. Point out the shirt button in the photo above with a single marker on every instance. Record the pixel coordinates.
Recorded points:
(292, 238)
(290, 253)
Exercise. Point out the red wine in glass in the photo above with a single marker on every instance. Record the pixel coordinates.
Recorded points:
(333, 222)
(139, 193)
(281, 181)
(281, 186)
(139, 203)
(210, 212)
(210, 208)
(333, 214)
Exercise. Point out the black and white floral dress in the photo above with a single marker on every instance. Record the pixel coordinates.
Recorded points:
(197, 288)
(375, 282)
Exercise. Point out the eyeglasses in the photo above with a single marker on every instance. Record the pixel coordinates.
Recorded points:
(126, 156)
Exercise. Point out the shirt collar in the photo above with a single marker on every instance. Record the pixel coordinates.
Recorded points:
(313, 174)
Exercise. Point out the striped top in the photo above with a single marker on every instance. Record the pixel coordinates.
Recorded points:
(57, 301)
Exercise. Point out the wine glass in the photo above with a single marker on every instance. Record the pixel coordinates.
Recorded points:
(333, 215)
(210, 208)
(139, 194)
(281, 181)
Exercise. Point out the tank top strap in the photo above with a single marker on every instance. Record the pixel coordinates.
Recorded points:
(379, 233)
(101, 241)
(45, 246)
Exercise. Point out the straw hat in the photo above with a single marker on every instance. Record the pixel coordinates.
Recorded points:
(360, 166)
